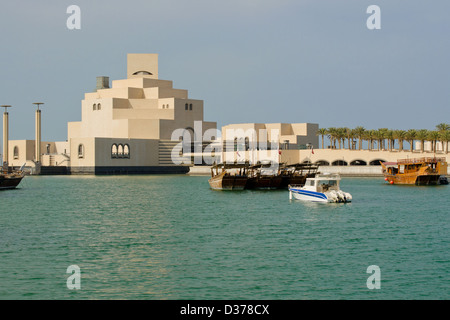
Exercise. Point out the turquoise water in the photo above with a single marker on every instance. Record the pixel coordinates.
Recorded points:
(171, 237)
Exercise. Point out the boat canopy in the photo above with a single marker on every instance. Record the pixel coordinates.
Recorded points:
(326, 176)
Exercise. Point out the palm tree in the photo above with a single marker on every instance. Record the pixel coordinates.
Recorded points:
(358, 132)
(371, 137)
(433, 136)
(332, 136)
(410, 136)
(400, 135)
(322, 132)
(390, 136)
(341, 134)
(366, 136)
(379, 136)
(444, 136)
(442, 127)
(382, 136)
(422, 136)
(349, 136)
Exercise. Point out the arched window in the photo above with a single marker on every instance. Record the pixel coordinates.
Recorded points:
(142, 72)
(190, 106)
(94, 107)
(120, 151)
(186, 106)
(126, 151)
(376, 162)
(114, 151)
(99, 106)
(322, 163)
(80, 151)
(358, 163)
(16, 152)
(339, 163)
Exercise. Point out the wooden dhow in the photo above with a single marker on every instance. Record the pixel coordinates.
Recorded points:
(10, 179)
(415, 171)
(269, 176)
(229, 176)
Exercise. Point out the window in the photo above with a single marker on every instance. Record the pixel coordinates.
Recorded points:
(94, 107)
(142, 72)
(114, 151)
(99, 106)
(190, 106)
(120, 151)
(16, 152)
(80, 151)
(310, 183)
(186, 106)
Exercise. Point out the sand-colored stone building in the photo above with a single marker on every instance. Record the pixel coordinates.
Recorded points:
(257, 142)
(125, 128)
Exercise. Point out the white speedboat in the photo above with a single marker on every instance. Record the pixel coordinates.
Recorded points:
(324, 187)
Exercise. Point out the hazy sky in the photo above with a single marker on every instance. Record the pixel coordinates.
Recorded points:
(249, 60)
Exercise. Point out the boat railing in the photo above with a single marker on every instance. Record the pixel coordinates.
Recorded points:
(421, 160)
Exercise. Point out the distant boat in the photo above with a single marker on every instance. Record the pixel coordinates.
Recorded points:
(263, 176)
(10, 179)
(415, 171)
(228, 176)
(321, 188)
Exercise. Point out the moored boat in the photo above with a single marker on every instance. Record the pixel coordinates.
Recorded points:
(10, 179)
(323, 187)
(264, 176)
(415, 171)
(228, 177)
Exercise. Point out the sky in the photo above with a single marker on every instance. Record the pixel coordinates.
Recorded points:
(249, 60)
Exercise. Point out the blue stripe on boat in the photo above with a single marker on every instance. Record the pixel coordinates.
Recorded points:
(310, 193)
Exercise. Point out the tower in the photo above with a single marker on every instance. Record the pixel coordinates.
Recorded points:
(5, 137)
(38, 133)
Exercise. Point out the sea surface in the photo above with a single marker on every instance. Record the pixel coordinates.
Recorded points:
(167, 237)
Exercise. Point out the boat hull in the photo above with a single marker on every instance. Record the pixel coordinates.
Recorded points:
(305, 195)
(228, 182)
(9, 182)
(313, 196)
(264, 182)
(418, 180)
